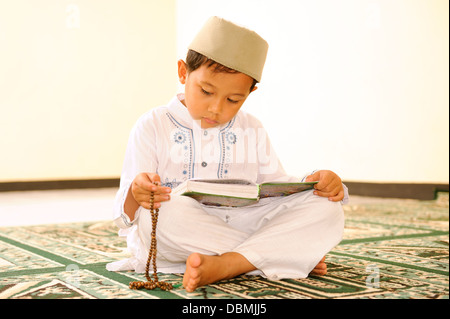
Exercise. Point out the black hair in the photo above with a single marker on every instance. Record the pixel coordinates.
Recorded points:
(194, 60)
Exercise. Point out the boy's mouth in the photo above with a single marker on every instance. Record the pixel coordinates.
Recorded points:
(209, 121)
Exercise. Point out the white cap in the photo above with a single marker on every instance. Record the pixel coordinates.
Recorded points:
(233, 46)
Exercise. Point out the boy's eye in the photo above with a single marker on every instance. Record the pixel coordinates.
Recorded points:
(206, 92)
(232, 101)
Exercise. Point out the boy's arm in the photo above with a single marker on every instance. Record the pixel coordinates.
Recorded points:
(140, 156)
(130, 205)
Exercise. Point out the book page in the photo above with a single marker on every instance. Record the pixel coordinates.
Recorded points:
(283, 189)
(221, 201)
(224, 181)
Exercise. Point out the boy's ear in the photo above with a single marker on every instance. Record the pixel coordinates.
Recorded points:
(254, 88)
(182, 71)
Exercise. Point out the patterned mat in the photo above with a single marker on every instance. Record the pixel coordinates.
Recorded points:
(391, 249)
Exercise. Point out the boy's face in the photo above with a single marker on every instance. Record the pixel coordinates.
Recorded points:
(211, 97)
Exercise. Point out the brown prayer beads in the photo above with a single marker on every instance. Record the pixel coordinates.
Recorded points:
(152, 283)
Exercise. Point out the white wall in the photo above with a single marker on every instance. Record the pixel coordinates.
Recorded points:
(356, 86)
(74, 77)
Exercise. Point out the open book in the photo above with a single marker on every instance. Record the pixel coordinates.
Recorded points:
(236, 192)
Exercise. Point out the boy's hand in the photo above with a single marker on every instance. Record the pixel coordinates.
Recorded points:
(143, 185)
(329, 185)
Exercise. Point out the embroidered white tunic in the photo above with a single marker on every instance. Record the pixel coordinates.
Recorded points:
(166, 140)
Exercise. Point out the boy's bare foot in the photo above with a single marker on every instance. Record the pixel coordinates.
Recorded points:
(320, 269)
(204, 269)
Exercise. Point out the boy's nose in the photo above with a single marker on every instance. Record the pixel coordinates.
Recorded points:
(215, 107)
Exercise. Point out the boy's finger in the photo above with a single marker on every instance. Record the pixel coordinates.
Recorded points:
(322, 194)
(146, 188)
(154, 177)
(338, 197)
(313, 177)
(162, 198)
(161, 190)
(323, 185)
(142, 186)
(332, 189)
(156, 203)
(144, 205)
(326, 192)
(332, 194)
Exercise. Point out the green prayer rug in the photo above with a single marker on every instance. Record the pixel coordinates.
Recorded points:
(392, 249)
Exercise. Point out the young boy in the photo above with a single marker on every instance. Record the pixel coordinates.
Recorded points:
(204, 134)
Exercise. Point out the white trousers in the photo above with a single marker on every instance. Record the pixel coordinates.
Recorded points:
(284, 237)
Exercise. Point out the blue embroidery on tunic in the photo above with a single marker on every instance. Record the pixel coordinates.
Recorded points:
(185, 135)
(231, 138)
(171, 184)
(225, 136)
(179, 137)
